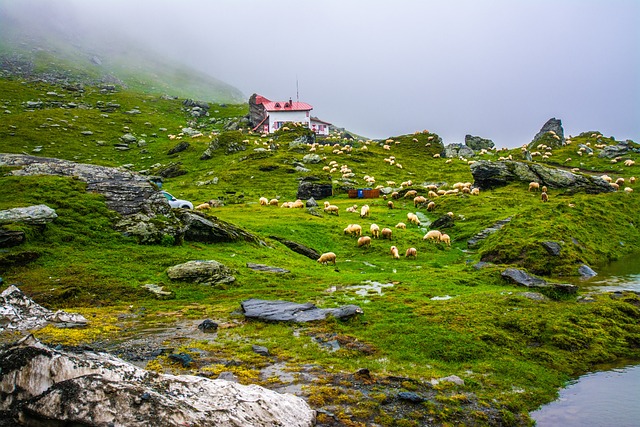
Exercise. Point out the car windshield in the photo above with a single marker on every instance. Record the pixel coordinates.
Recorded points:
(168, 196)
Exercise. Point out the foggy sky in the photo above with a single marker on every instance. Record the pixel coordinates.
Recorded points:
(497, 69)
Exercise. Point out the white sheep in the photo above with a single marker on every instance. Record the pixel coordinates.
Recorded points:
(203, 206)
(364, 211)
(353, 229)
(432, 235)
(418, 200)
(352, 209)
(628, 190)
(364, 241)
(534, 186)
(431, 206)
(386, 233)
(326, 258)
(401, 225)
(444, 238)
(394, 252)
(332, 209)
(411, 253)
(264, 201)
(632, 180)
(375, 231)
(544, 196)
(475, 191)
(273, 202)
(390, 204)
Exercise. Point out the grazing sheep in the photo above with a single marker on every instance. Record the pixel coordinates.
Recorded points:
(475, 191)
(544, 188)
(432, 194)
(203, 206)
(352, 209)
(364, 211)
(431, 206)
(394, 252)
(364, 241)
(614, 185)
(353, 229)
(375, 231)
(413, 218)
(273, 202)
(401, 225)
(297, 204)
(264, 201)
(332, 209)
(436, 156)
(386, 233)
(326, 258)
(544, 196)
(390, 204)
(620, 181)
(628, 190)
(632, 180)
(411, 253)
(432, 235)
(534, 186)
(418, 200)
(629, 162)
(411, 193)
(444, 238)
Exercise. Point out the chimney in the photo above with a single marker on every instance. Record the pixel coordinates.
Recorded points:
(290, 103)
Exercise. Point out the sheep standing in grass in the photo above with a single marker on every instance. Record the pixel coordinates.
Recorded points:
(394, 252)
(273, 202)
(632, 180)
(353, 229)
(418, 200)
(264, 201)
(386, 233)
(431, 206)
(203, 206)
(364, 241)
(444, 238)
(411, 253)
(475, 191)
(411, 193)
(332, 209)
(534, 186)
(544, 188)
(364, 211)
(390, 204)
(432, 235)
(628, 190)
(375, 231)
(413, 218)
(401, 225)
(327, 258)
(544, 197)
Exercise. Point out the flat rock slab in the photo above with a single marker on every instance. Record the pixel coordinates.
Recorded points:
(263, 267)
(37, 215)
(97, 389)
(523, 278)
(285, 311)
(207, 272)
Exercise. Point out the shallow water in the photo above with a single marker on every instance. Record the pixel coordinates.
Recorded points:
(621, 275)
(600, 399)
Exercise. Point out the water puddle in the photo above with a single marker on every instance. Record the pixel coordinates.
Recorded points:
(621, 275)
(369, 287)
(605, 398)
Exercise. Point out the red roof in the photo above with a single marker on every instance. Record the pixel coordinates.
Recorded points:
(261, 99)
(286, 106)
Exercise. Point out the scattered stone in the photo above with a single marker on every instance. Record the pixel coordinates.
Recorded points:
(553, 248)
(456, 150)
(228, 376)
(208, 326)
(444, 221)
(133, 111)
(285, 311)
(20, 313)
(10, 238)
(86, 132)
(308, 189)
(34, 215)
(586, 272)
(612, 151)
(481, 264)
(262, 351)
(312, 158)
(475, 240)
(198, 228)
(263, 267)
(88, 388)
(452, 379)
(208, 272)
(158, 291)
(552, 125)
(182, 358)
(411, 397)
(535, 296)
(523, 278)
(128, 138)
(311, 203)
(178, 148)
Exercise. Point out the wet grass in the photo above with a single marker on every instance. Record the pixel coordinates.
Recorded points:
(511, 351)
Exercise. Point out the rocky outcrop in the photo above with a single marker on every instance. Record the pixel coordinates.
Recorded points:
(96, 389)
(488, 174)
(477, 143)
(125, 192)
(209, 272)
(456, 150)
(551, 127)
(266, 268)
(285, 311)
(209, 229)
(620, 149)
(522, 278)
(148, 229)
(20, 313)
(298, 248)
(257, 112)
(308, 189)
(10, 238)
(33, 215)
(475, 240)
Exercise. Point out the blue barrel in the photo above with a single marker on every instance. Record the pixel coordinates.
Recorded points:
(360, 193)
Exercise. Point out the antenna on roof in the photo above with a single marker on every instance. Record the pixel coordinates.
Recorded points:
(297, 93)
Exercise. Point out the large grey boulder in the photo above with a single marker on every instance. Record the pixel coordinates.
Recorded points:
(298, 247)
(308, 189)
(209, 229)
(458, 150)
(285, 311)
(96, 389)
(125, 192)
(611, 151)
(18, 312)
(207, 272)
(522, 278)
(488, 174)
(477, 143)
(150, 229)
(552, 127)
(34, 215)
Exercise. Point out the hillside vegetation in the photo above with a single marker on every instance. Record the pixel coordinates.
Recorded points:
(424, 318)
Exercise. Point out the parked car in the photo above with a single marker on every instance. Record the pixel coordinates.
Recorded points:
(177, 203)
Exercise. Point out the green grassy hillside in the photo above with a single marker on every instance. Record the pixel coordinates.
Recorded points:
(437, 316)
